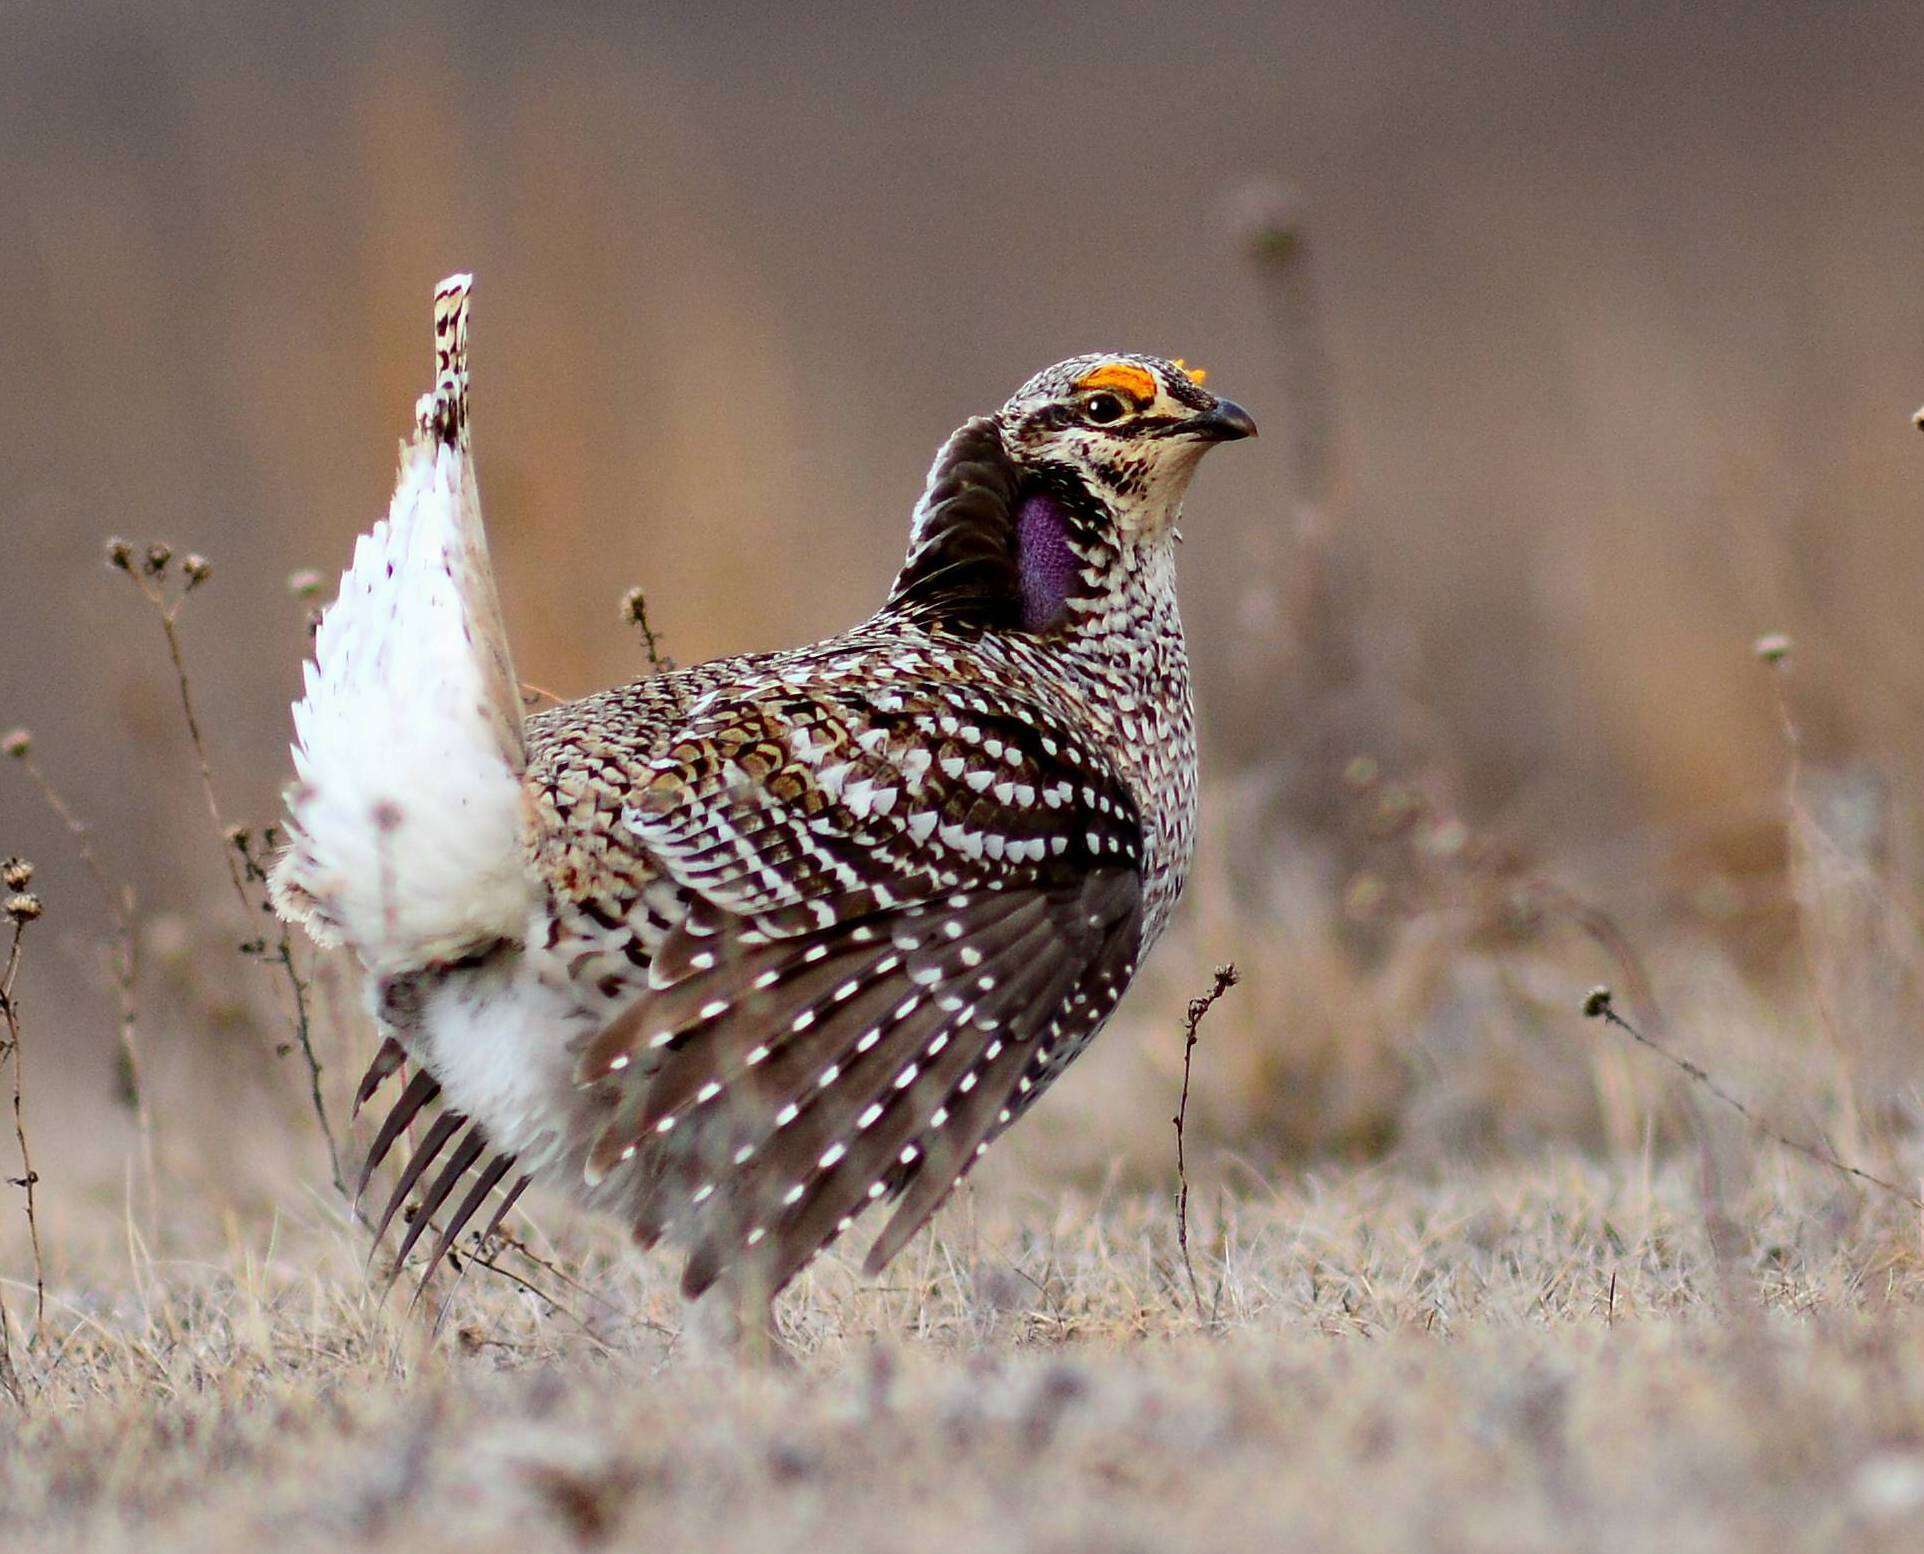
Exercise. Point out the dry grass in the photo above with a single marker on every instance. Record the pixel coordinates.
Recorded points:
(1461, 1271)
(1551, 1356)
(1476, 1275)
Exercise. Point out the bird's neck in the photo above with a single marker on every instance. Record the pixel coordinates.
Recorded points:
(1125, 650)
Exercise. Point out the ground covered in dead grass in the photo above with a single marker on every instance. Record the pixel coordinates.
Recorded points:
(1717, 1353)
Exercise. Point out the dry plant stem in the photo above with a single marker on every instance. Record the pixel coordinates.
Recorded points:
(119, 901)
(635, 603)
(232, 845)
(29, 1179)
(304, 1038)
(169, 615)
(1604, 930)
(9, 1376)
(1278, 243)
(1226, 978)
(634, 610)
(486, 1255)
(1598, 1007)
(552, 1269)
(1797, 828)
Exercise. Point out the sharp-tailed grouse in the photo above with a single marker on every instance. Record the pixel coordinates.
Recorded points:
(735, 951)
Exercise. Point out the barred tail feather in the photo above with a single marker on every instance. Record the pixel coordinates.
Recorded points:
(406, 816)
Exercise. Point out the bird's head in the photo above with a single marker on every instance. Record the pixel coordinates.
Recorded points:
(1129, 430)
(1032, 512)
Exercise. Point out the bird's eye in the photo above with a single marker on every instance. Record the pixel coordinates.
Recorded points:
(1103, 408)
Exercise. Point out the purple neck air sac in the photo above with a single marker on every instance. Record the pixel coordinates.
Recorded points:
(1047, 565)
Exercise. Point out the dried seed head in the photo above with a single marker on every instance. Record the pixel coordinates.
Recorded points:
(158, 555)
(305, 584)
(1772, 649)
(1364, 897)
(1269, 217)
(1396, 807)
(1596, 1003)
(23, 908)
(197, 568)
(634, 607)
(120, 554)
(17, 742)
(1446, 839)
(16, 874)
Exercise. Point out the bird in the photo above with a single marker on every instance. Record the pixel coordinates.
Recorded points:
(739, 950)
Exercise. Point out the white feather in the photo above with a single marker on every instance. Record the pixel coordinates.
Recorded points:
(407, 814)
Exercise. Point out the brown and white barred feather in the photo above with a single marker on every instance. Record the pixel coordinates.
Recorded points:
(894, 942)
(806, 930)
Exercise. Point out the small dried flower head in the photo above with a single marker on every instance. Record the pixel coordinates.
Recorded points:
(306, 583)
(158, 555)
(1773, 648)
(16, 874)
(1446, 839)
(1396, 807)
(120, 554)
(1269, 217)
(1364, 897)
(17, 742)
(23, 908)
(1362, 772)
(197, 568)
(1596, 1002)
(634, 607)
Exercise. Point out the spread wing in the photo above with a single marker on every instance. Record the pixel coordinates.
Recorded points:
(911, 903)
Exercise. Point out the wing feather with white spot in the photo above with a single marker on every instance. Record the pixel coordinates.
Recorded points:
(879, 949)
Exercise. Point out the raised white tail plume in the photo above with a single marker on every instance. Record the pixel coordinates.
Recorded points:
(406, 816)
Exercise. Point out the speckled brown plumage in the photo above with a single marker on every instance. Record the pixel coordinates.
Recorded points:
(812, 928)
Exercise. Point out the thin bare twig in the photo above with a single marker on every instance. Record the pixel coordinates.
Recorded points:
(634, 610)
(1226, 977)
(120, 905)
(282, 955)
(29, 1179)
(9, 1376)
(1598, 1005)
(149, 576)
(168, 612)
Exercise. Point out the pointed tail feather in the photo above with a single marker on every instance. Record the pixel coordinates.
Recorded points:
(405, 820)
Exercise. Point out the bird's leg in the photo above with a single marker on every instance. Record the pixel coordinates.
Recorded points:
(735, 1320)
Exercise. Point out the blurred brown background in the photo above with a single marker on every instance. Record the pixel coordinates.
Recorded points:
(1622, 323)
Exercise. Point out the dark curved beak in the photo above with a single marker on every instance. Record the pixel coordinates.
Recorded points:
(1228, 422)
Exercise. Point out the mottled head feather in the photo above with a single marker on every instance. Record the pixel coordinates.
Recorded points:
(1031, 507)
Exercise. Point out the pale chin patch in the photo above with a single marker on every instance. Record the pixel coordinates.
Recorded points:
(1046, 564)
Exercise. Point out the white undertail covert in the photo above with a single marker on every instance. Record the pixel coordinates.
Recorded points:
(406, 817)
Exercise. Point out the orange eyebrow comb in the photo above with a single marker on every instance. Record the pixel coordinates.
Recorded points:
(1124, 377)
